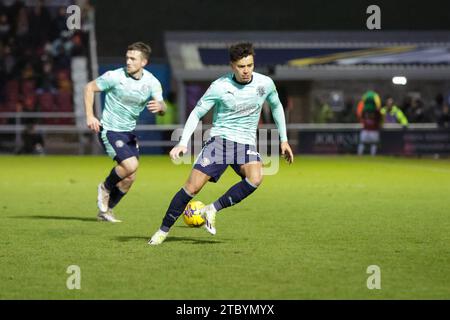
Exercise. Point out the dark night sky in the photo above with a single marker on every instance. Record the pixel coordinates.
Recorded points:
(120, 22)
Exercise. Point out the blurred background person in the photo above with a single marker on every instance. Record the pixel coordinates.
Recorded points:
(32, 141)
(393, 114)
(170, 117)
(323, 112)
(442, 113)
(417, 112)
(370, 117)
(444, 118)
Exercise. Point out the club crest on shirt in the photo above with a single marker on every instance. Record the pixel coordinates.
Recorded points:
(119, 143)
(145, 88)
(260, 91)
(205, 162)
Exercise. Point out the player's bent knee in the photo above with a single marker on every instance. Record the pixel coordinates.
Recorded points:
(192, 189)
(130, 166)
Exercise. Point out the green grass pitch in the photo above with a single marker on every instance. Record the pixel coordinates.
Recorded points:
(309, 232)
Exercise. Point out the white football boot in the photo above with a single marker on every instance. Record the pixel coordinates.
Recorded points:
(158, 238)
(209, 214)
(102, 198)
(107, 216)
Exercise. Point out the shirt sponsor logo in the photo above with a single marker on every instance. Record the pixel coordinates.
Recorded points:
(132, 100)
(245, 109)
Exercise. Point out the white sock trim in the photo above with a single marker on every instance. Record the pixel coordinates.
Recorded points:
(213, 207)
(190, 195)
(246, 179)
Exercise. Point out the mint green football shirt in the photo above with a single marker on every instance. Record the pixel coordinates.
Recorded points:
(126, 97)
(237, 109)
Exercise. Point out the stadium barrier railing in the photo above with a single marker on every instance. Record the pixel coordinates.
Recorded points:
(305, 138)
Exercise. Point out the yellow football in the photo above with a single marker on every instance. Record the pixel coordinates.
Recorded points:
(191, 214)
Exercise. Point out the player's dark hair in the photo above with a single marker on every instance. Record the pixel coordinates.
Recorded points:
(241, 50)
(141, 47)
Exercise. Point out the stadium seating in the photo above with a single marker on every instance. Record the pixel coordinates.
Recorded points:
(44, 83)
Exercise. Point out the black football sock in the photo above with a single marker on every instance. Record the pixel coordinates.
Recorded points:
(176, 208)
(235, 194)
(115, 196)
(112, 180)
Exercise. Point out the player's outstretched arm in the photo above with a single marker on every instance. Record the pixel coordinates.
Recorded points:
(189, 128)
(286, 152)
(89, 92)
(205, 103)
(278, 116)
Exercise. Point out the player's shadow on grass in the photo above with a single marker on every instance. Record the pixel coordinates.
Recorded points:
(84, 219)
(193, 240)
(169, 239)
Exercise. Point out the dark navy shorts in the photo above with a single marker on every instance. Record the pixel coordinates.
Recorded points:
(218, 153)
(119, 145)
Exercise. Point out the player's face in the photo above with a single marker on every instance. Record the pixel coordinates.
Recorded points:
(243, 69)
(135, 61)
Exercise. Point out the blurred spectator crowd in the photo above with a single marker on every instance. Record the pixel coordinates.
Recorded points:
(414, 109)
(36, 49)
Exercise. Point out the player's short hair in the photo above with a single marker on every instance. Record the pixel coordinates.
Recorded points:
(143, 48)
(241, 50)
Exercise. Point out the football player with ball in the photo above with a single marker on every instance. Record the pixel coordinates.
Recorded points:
(237, 98)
